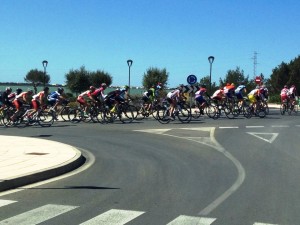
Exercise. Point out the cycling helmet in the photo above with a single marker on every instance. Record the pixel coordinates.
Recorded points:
(126, 87)
(60, 90)
(19, 91)
(103, 85)
(92, 88)
(29, 90)
(8, 89)
(285, 86)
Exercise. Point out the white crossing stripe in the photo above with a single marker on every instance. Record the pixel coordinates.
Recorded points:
(264, 224)
(114, 217)
(190, 220)
(6, 202)
(38, 215)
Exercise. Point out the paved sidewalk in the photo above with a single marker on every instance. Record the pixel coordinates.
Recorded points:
(28, 160)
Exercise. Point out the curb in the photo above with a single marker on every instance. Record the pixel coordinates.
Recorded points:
(38, 176)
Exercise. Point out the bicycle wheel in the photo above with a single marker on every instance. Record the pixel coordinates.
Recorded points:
(64, 113)
(228, 112)
(184, 114)
(6, 117)
(163, 115)
(126, 113)
(45, 118)
(211, 111)
(282, 109)
(75, 115)
(141, 113)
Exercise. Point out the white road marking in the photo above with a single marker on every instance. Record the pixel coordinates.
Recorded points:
(113, 217)
(264, 224)
(212, 142)
(6, 202)
(262, 136)
(228, 127)
(191, 220)
(38, 215)
(255, 126)
(274, 126)
(154, 131)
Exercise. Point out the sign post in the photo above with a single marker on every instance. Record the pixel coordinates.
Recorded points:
(191, 79)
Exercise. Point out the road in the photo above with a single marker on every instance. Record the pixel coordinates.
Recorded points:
(219, 172)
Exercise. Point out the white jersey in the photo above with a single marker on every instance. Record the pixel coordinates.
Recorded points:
(173, 94)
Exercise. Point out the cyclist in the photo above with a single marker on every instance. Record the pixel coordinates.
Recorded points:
(254, 96)
(264, 93)
(86, 95)
(239, 93)
(24, 97)
(284, 94)
(14, 94)
(55, 98)
(292, 94)
(6, 101)
(150, 96)
(120, 96)
(229, 91)
(173, 97)
(38, 100)
(98, 94)
(200, 99)
(218, 95)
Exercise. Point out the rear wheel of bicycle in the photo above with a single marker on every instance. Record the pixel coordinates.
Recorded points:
(64, 113)
(45, 118)
(228, 112)
(75, 115)
(282, 109)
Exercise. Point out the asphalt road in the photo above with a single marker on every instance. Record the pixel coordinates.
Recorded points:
(219, 172)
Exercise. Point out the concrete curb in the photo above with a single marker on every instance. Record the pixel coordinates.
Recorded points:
(41, 175)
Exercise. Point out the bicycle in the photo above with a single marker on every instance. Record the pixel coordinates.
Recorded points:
(123, 111)
(229, 107)
(63, 110)
(182, 111)
(286, 106)
(210, 109)
(143, 112)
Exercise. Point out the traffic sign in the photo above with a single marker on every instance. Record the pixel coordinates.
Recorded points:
(257, 79)
(191, 79)
(190, 89)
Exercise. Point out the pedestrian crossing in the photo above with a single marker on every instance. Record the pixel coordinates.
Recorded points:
(111, 217)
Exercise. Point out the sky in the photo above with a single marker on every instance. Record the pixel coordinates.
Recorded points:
(178, 36)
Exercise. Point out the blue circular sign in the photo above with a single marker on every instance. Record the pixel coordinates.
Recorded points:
(191, 79)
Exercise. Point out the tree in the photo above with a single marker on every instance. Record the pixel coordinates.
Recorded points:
(78, 80)
(285, 74)
(99, 77)
(36, 77)
(154, 76)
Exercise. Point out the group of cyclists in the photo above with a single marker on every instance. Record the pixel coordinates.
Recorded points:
(229, 92)
(43, 98)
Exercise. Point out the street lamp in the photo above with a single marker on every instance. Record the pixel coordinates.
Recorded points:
(129, 63)
(45, 63)
(210, 60)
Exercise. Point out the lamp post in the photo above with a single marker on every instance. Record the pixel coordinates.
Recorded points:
(210, 60)
(129, 63)
(45, 63)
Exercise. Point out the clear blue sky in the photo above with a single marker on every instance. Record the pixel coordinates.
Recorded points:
(172, 34)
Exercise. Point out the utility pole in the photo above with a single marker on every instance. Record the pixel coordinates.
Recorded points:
(254, 63)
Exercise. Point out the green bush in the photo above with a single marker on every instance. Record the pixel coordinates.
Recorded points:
(274, 98)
